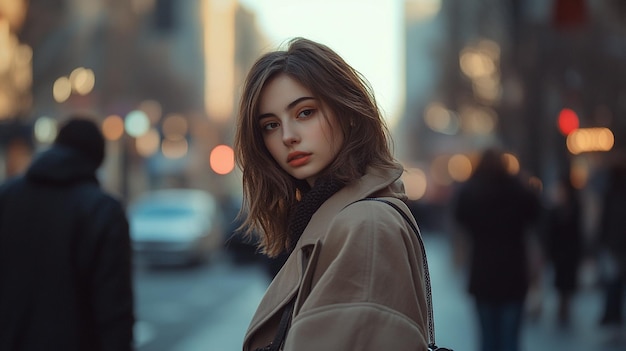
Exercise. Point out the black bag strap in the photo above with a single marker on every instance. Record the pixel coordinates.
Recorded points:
(429, 295)
(285, 320)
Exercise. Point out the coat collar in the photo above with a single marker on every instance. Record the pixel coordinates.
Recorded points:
(376, 182)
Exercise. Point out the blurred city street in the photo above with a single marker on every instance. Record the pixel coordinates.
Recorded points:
(543, 81)
(206, 307)
(209, 307)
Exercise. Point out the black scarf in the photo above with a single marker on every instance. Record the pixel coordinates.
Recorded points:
(311, 201)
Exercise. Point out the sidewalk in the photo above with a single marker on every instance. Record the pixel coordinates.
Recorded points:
(456, 327)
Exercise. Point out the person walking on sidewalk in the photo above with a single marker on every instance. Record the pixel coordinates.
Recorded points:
(612, 240)
(494, 210)
(562, 235)
(311, 143)
(65, 259)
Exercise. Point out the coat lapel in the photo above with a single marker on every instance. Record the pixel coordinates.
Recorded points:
(291, 278)
(279, 293)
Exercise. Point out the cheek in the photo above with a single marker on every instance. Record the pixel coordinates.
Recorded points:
(272, 146)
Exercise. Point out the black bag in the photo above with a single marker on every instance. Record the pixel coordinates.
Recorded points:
(286, 317)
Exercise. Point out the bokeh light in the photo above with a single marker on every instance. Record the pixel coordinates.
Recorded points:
(45, 129)
(113, 127)
(222, 159)
(62, 89)
(152, 109)
(440, 119)
(512, 163)
(477, 119)
(590, 139)
(475, 64)
(136, 123)
(175, 127)
(82, 80)
(415, 183)
(567, 121)
(460, 167)
(174, 148)
(148, 144)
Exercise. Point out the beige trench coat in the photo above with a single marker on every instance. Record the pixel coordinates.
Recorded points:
(358, 275)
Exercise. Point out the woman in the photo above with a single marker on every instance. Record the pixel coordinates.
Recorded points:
(311, 142)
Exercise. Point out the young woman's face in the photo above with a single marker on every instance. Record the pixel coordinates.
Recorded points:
(295, 130)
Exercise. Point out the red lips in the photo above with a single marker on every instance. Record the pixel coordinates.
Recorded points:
(298, 158)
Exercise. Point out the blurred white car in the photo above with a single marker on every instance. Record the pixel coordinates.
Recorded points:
(175, 226)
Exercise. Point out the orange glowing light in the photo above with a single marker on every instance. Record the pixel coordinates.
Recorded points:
(113, 127)
(222, 159)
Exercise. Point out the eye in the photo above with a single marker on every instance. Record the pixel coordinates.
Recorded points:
(270, 126)
(306, 113)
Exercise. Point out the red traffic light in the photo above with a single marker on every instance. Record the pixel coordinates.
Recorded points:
(568, 121)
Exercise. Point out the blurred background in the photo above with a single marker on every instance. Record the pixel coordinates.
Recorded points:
(544, 80)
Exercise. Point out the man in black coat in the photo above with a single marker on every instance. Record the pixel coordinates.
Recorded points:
(65, 257)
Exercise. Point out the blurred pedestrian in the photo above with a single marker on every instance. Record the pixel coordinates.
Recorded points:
(494, 211)
(65, 259)
(612, 239)
(562, 235)
(311, 142)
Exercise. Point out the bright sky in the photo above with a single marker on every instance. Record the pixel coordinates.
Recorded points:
(368, 34)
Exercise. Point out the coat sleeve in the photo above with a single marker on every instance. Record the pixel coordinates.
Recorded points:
(369, 292)
(112, 299)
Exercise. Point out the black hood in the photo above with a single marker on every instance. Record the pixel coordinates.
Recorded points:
(62, 165)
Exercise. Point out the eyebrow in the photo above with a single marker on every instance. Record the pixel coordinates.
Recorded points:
(289, 107)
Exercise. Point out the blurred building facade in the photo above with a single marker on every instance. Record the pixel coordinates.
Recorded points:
(154, 57)
(15, 88)
(507, 69)
(502, 72)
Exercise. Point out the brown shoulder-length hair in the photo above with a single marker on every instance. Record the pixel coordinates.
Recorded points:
(270, 193)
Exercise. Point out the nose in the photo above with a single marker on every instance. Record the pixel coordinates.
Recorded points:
(290, 135)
